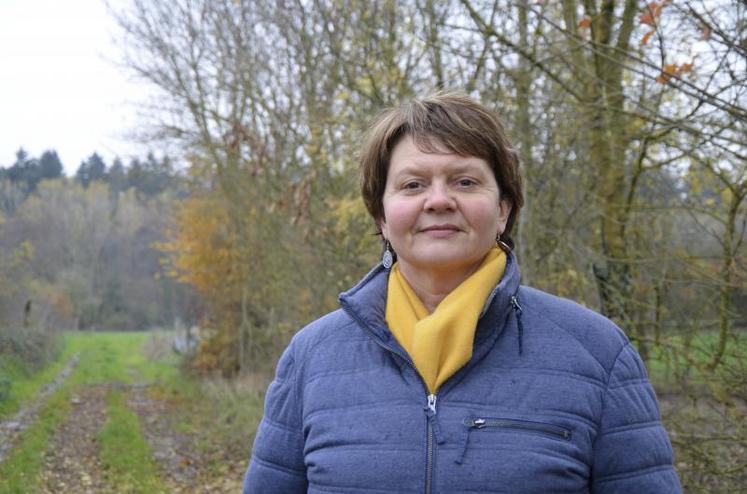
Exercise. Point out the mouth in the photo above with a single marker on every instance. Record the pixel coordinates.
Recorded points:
(443, 229)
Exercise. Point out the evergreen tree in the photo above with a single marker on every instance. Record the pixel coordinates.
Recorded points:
(50, 165)
(25, 172)
(90, 170)
(117, 177)
(157, 175)
(135, 174)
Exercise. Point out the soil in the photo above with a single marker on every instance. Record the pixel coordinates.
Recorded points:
(72, 463)
(183, 467)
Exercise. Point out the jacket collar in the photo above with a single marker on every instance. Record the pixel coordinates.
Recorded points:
(366, 303)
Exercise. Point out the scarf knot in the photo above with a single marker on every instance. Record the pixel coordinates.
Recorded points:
(440, 343)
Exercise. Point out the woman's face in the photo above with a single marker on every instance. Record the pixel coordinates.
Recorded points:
(442, 211)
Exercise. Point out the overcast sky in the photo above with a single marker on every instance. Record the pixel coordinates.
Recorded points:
(57, 89)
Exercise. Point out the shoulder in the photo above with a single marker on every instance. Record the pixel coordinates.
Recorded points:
(572, 324)
(333, 325)
(333, 341)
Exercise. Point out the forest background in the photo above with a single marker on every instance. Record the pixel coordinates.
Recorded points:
(630, 119)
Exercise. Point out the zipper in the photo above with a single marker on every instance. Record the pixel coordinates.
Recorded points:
(552, 430)
(519, 326)
(515, 304)
(431, 407)
(432, 403)
(429, 460)
(433, 431)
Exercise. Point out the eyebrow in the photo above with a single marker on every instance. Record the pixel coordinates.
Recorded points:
(457, 169)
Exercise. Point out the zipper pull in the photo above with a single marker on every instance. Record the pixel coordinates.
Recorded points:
(471, 423)
(520, 326)
(430, 411)
(475, 423)
(432, 403)
(515, 304)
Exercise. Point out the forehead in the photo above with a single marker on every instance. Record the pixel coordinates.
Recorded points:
(410, 156)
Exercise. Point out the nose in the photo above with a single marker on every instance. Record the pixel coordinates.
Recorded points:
(439, 198)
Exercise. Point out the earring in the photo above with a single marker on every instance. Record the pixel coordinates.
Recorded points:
(503, 245)
(387, 259)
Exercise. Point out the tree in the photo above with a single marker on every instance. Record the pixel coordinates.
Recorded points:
(92, 169)
(50, 165)
(25, 171)
(116, 177)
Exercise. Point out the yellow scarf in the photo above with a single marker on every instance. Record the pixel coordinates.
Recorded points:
(441, 343)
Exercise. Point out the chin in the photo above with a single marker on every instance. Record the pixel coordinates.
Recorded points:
(444, 262)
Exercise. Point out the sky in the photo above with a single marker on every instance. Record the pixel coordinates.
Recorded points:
(59, 86)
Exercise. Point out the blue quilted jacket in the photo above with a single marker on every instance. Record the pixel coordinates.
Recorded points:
(554, 400)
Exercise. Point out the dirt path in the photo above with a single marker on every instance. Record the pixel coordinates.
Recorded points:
(10, 429)
(72, 463)
(171, 450)
(189, 456)
(182, 465)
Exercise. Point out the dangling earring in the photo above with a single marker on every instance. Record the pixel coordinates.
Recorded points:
(387, 259)
(503, 245)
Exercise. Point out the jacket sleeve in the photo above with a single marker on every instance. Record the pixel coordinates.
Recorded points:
(277, 463)
(632, 452)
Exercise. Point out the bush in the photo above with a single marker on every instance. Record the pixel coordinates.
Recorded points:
(34, 347)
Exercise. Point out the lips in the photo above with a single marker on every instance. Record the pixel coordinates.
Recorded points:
(441, 228)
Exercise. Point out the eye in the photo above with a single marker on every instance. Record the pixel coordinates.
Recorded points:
(412, 185)
(466, 182)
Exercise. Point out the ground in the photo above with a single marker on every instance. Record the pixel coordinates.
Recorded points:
(71, 462)
(121, 417)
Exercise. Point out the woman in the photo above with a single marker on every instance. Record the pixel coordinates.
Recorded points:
(440, 373)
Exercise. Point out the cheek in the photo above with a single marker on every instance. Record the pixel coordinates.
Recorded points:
(486, 217)
(400, 216)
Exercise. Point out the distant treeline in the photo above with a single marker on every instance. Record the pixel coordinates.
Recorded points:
(149, 176)
(78, 253)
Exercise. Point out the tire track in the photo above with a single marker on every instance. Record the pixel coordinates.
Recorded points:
(24, 418)
(72, 461)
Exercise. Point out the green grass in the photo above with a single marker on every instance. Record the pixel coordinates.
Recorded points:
(19, 474)
(124, 452)
(104, 358)
(24, 384)
(673, 358)
(222, 415)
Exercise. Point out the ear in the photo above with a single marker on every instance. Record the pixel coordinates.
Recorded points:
(504, 211)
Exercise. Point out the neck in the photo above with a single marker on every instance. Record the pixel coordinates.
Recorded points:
(432, 287)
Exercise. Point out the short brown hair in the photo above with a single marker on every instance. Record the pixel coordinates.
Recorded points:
(443, 120)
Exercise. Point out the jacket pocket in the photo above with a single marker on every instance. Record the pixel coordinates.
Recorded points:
(505, 424)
